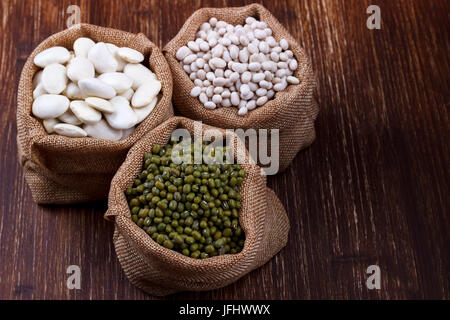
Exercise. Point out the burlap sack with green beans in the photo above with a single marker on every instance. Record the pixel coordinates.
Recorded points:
(61, 169)
(292, 111)
(161, 271)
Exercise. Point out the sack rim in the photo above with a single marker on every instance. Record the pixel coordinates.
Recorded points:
(131, 232)
(261, 114)
(38, 135)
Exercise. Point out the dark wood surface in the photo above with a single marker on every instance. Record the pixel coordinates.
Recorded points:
(372, 189)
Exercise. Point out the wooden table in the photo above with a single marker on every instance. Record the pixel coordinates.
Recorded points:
(372, 189)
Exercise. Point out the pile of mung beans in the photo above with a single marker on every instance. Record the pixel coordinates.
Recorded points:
(189, 208)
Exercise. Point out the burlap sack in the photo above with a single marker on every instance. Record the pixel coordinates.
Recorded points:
(292, 108)
(60, 169)
(160, 271)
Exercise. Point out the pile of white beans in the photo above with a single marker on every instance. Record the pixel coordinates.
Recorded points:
(240, 66)
(97, 90)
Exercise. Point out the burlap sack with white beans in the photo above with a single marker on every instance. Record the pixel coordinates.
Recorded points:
(161, 271)
(61, 169)
(292, 111)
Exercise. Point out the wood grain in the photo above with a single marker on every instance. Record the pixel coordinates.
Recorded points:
(372, 189)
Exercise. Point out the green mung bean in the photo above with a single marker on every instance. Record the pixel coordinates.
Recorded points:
(190, 208)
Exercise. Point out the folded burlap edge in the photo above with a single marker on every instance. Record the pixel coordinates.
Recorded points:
(34, 144)
(142, 258)
(275, 114)
(133, 267)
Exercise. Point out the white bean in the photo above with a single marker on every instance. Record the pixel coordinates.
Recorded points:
(257, 77)
(280, 73)
(277, 49)
(247, 96)
(204, 46)
(209, 91)
(212, 41)
(217, 51)
(194, 66)
(234, 76)
(254, 66)
(261, 101)
(239, 67)
(276, 80)
(210, 105)
(130, 55)
(252, 48)
(284, 44)
(268, 76)
(201, 35)
(249, 20)
(226, 93)
(267, 65)
(293, 65)
(221, 24)
(190, 58)
(227, 73)
(195, 92)
(265, 84)
(263, 47)
(283, 56)
(234, 51)
(54, 79)
(243, 55)
(292, 80)
(260, 92)
(219, 81)
(210, 76)
(200, 62)
(218, 73)
(246, 77)
(203, 98)
(244, 89)
(187, 68)
(282, 65)
(280, 86)
(226, 56)
(226, 103)
(253, 86)
(218, 90)
(205, 26)
(234, 99)
(234, 39)
(251, 105)
(217, 98)
(213, 21)
(242, 111)
(225, 42)
(271, 41)
(217, 63)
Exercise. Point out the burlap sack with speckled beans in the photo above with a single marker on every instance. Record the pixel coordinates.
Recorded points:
(292, 111)
(161, 271)
(61, 169)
